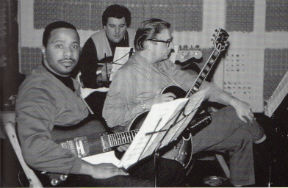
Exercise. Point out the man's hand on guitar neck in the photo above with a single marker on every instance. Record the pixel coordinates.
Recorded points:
(101, 171)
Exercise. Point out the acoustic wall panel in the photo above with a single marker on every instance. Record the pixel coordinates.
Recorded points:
(30, 58)
(239, 15)
(137, 11)
(46, 12)
(276, 15)
(276, 65)
(77, 14)
(243, 76)
(3, 34)
(188, 15)
(97, 9)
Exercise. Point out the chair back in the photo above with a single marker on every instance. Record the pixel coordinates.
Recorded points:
(11, 133)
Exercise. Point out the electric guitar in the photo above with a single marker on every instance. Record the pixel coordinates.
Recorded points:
(99, 147)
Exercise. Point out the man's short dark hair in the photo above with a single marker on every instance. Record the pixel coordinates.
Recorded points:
(148, 30)
(55, 25)
(116, 11)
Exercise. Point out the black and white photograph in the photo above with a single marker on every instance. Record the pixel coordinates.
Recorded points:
(143, 93)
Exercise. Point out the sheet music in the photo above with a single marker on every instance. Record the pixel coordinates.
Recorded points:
(121, 56)
(160, 117)
(107, 157)
(277, 96)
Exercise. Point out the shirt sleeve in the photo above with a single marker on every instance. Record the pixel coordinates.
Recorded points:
(182, 78)
(119, 107)
(186, 79)
(36, 111)
(88, 64)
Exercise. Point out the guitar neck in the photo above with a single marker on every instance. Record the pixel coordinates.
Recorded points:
(204, 72)
(118, 139)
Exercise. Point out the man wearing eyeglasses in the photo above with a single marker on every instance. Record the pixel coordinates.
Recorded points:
(137, 86)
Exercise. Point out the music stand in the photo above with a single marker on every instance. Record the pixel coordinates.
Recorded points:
(164, 124)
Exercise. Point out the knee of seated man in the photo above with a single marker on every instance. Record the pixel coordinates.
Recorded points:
(229, 116)
(242, 137)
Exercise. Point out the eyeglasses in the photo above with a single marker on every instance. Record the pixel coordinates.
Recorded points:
(163, 41)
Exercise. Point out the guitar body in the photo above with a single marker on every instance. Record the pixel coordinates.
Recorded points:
(182, 150)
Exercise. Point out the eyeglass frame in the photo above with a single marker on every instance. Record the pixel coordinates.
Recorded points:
(168, 42)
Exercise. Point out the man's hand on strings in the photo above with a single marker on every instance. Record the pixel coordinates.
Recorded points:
(166, 97)
(243, 110)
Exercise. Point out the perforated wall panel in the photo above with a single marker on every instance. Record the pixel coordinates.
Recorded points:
(239, 15)
(30, 58)
(276, 15)
(276, 65)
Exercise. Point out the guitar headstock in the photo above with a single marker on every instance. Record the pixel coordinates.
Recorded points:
(220, 40)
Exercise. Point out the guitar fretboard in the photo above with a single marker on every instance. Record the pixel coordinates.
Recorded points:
(121, 138)
(204, 72)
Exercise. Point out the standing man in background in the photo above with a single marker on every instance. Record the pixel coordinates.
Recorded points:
(100, 48)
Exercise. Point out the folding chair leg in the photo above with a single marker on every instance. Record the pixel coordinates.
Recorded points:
(223, 165)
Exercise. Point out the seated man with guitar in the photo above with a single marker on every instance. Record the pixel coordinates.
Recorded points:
(49, 99)
(149, 77)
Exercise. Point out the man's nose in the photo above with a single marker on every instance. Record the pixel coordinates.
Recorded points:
(67, 52)
(117, 30)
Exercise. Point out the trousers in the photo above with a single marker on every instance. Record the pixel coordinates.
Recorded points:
(169, 174)
(227, 133)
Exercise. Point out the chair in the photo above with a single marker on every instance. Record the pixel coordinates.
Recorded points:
(219, 157)
(11, 133)
(223, 164)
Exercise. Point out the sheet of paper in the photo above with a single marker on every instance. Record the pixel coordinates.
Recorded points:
(121, 56)
(277, 96)
(107, 157)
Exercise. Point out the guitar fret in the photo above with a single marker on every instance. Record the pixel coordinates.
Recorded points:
(198, 84)
(109, 140)
(128, 137)
(118, 139)
(134, 134)
(124, 138)
(115, 140)
(202, 77)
